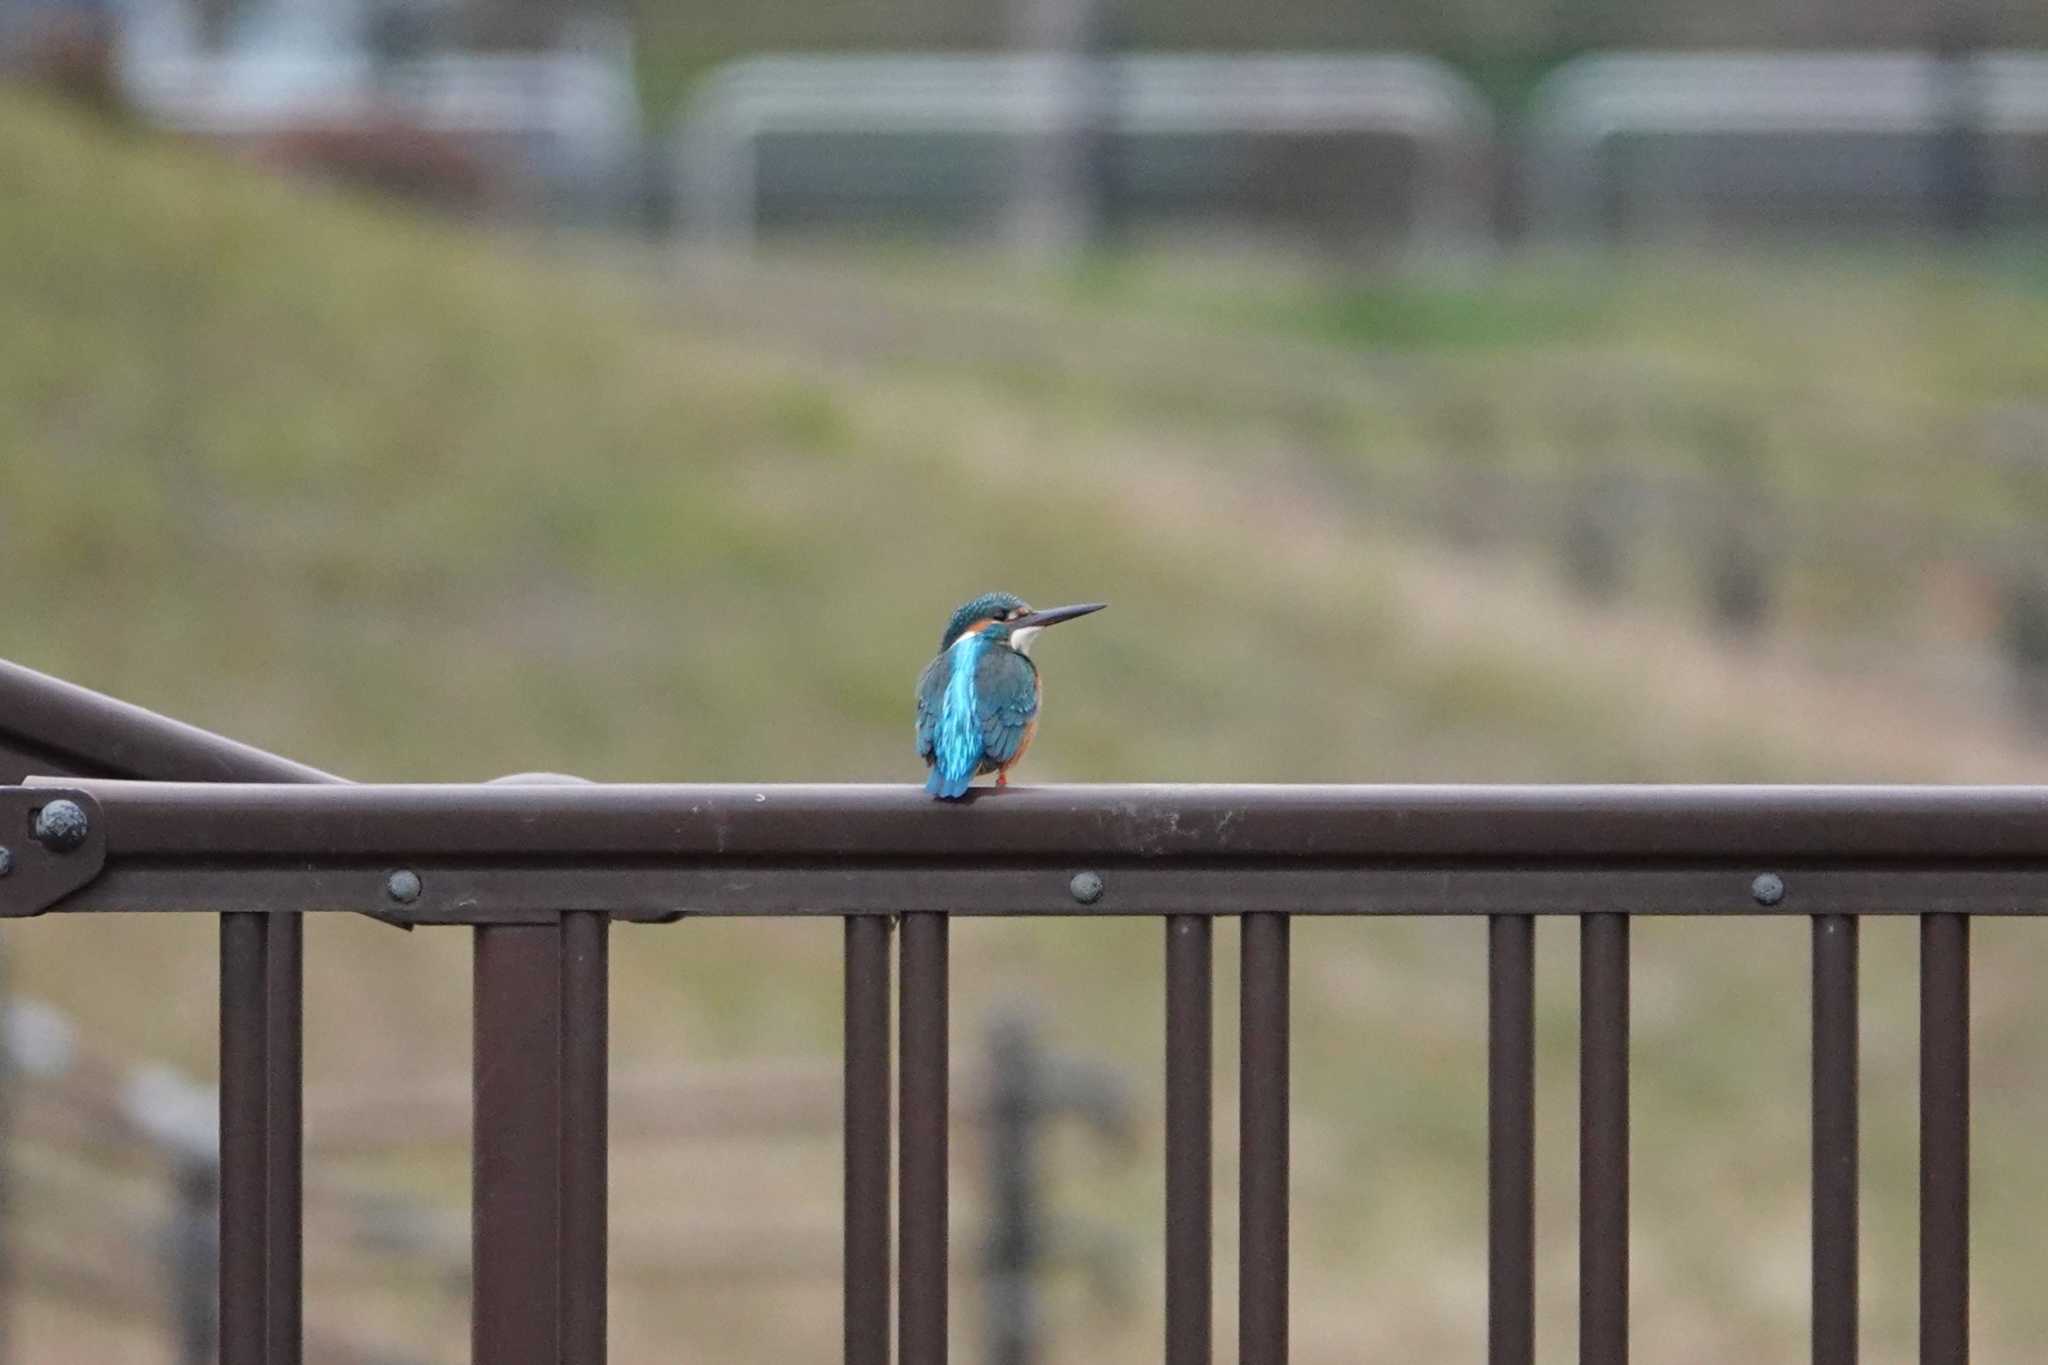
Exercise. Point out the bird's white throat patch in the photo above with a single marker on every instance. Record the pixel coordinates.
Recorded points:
(1020, 640)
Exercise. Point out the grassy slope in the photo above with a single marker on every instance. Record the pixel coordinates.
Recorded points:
(1862, 430)
(369, 492)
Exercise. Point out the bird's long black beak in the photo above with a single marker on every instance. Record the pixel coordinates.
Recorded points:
(1054, 615)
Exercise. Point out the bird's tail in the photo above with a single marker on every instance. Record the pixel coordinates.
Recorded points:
(947, 786)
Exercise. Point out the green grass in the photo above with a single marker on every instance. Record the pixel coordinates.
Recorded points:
(1385, 312)
(1863, 420)
(412, 504)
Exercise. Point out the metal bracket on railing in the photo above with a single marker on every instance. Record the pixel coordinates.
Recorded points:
(52, 842)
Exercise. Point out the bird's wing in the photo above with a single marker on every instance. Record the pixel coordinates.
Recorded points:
(931, 695)
(1006, 698)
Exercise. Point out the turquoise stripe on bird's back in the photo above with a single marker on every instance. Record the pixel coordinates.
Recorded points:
(958, 742)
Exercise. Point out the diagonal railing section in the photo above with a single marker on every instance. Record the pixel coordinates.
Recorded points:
(55, 730)
(50, 727)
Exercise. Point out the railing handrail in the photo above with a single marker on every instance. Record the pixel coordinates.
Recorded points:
(884, 822)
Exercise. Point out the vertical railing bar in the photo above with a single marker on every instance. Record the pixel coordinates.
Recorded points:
(586, 1028)
(516, 1146)
(284, 1017)
(1511, 1139)
(1603, 1139)
(244, 1140)
(1834, 1140)
(1262, 1141)
(1189, 1120)
(867, 1141)
(1944, 1139)
(921, 1182)
(10, 1203)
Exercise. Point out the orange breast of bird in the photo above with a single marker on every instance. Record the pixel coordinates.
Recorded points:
(1031, 730)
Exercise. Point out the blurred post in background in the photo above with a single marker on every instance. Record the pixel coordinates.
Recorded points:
(1961, 173)
(192, 1253)
(1063, 154)
(1034, 1230)
(1016, 1235)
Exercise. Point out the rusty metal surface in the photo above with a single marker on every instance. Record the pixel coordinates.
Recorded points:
(1945, 1140)
(1511, 1140)
(1835, 1294)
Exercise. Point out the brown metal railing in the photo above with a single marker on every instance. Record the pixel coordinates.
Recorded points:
(53, 728)
(1834, 1139)
(1189, 997)
(539, 872)
(1511, 1138)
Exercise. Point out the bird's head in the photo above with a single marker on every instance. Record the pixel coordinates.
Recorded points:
(1005, 618)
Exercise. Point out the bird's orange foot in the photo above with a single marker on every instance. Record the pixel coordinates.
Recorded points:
(1002, 777)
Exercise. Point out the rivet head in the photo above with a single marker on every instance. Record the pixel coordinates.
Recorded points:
(403, 886)
(6, 860)
(1767, 889)
(61, 826)
(1086, 887)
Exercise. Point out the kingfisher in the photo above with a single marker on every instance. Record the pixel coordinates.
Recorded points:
(977, 702)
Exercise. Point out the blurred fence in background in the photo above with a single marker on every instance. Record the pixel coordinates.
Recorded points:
(1072, 136)
(112, 1187)
(1335, 147)
(1839, 145)
(112, 1193)
(1872, 538)
(1013, 1099)
(1393, 149)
